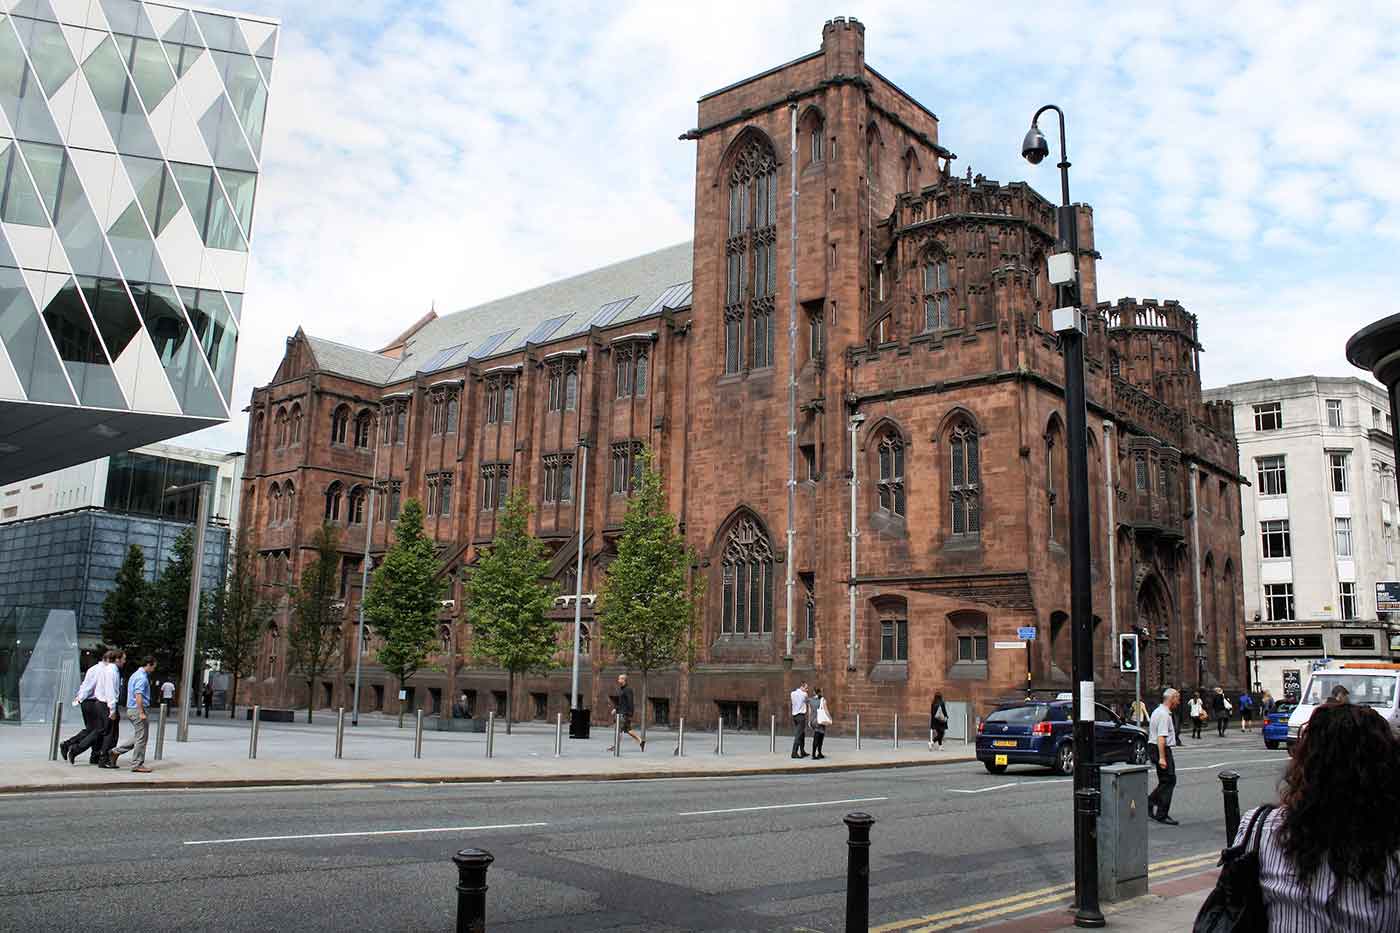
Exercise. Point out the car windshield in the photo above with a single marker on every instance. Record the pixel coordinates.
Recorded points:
(1364, 689)
(1018, 715)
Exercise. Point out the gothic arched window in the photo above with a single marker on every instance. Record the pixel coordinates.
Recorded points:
(753, 207)
(274, 508)
(362, 428)
(333, 496)
(289, 501)
(891, 486)
(355, 513)
(938, 294)
(280, 426)
(571, 387)
(401, 423)
(340, 424)
(294, 422)
(965, 475)
(747, 573)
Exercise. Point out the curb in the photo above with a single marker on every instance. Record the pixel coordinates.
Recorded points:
(130, 784)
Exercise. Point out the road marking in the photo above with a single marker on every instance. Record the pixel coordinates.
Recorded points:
(783, 806)
(983, 790)
(1247, 761)
(377, 832)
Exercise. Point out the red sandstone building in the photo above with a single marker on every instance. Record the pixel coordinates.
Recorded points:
(922, 317)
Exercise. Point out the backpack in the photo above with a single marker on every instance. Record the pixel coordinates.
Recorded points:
(1236, 905)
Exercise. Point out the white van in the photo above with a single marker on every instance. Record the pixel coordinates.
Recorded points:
(1368, 683)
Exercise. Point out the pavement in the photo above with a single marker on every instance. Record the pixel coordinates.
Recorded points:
(216, 755)
(952, 848)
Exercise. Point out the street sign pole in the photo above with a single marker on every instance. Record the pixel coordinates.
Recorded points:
(1027, 634)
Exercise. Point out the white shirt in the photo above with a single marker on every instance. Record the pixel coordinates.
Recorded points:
(799, 702)
(89, 682)
(167, 690)
(1197, 708)
(108, 685)
(1162, 724)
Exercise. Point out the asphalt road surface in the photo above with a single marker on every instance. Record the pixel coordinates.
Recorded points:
(754, 853)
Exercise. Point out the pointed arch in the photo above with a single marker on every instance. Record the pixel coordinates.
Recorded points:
(1056, 480)
(274, 503)
(750, 252)
(340, 423)
(874, 142)
(294, 423)
(811, 133)
(911, 170)
(937, 290)
(749, 135)
(744, 553)
(955, 415)
(364, 428)
(961, 437)
(888, 447)
(334, 493)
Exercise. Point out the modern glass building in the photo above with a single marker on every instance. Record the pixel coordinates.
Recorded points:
(130, 141)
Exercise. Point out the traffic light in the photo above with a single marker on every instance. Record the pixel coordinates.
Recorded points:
(1128, 653)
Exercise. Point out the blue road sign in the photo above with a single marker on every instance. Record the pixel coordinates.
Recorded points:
(1026, 633)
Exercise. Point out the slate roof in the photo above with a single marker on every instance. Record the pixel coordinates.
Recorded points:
(615, 294)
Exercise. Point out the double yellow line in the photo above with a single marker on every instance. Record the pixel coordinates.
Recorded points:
(990, 910)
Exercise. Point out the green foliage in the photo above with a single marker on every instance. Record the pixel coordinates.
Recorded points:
(646, 603)
(507, 598)
(125, 607)
(162, 633)
(313, 638)
(404, 597)
(238, 616)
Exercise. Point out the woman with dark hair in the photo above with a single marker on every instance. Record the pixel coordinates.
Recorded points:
(937, 721)
(1329, 855)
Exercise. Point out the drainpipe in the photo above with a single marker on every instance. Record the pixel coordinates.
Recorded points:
(856, 421)
(792, 385)
(1108, 498)
(1196, 550)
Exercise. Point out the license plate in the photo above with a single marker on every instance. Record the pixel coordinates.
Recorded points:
(1004, 743)
(1000, 760)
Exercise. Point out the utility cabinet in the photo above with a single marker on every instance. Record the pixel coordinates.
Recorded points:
(1122, 832)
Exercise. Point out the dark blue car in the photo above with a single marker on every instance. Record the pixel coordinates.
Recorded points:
(1040, 732)
(1276, 725)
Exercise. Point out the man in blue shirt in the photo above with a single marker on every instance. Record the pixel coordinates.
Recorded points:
(138, 700)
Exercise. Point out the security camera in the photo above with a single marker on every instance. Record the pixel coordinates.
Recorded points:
(1034, 148)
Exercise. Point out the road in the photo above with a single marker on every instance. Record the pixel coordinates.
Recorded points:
(750, 853)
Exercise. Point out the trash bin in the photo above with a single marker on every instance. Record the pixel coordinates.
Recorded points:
(578, 723)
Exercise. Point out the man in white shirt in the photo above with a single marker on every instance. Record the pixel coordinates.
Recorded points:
(102, 706)
(799, 721)
(1161, 734)
(87, 706)
(167, 691)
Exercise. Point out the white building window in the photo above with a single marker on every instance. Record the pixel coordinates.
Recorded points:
(1376, 418)
(1337, 470)
(1278, 600)
(1334, 413)
(1268, 416)
(1273, 476)
(1275, 539)
(1348, 601)
(1343, 537)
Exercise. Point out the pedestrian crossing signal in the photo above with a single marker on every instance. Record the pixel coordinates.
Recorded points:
(1128, 653)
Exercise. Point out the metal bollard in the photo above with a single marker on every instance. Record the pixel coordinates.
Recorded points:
(857, 731)
(773, 734)
(340, 733)
(617, 735)
(719, 737)
(418, 734)
(896, 730)
(680, 739)
(490, 734)
(253, 733)
(57, 725)
(558, 734)
(930, 740)
(1230, 790)
(160, 731)
(858, 871)
(471, 889)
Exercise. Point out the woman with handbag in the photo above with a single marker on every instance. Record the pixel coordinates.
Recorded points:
(821, 720)
(1322, 859)
(1197, 712)
(1221, 706)
(937, 721)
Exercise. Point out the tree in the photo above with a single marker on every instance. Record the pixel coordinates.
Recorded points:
(314, 634)
(238, 617)
(405, 593)
(507, 598)
(162, 633)
(125, 606)
(646, 603)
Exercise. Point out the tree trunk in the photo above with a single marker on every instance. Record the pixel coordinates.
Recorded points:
(510, 698)
(644, 704)
(310, 700)
(233, 700)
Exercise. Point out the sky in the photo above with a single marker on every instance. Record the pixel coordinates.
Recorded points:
(440, 154)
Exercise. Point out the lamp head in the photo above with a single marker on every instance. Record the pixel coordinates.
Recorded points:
(1034, 148)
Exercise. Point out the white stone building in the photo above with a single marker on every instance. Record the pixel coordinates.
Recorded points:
(1318, 522)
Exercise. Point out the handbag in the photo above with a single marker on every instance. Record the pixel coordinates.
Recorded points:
(1236, 905)
(823, 717)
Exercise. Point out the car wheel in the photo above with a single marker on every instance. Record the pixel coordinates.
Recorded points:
(1271, 743)
(1139, 753)
(1064, 759)
(994, 769)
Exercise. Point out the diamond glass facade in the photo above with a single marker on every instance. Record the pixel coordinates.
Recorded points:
(130, 141)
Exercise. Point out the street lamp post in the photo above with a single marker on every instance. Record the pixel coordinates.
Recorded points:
(1164, 644)
(1069, 323)
(1199, 645)
(182, 734)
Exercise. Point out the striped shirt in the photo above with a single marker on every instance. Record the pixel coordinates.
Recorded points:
(1322, 906)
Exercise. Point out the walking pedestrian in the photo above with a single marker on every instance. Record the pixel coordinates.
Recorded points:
(1161, 732)
(1196, 711)
(799, 721)
(1221, 706)
(103, 707)
(1246, 710)
(87, 704)
(1266, 705)
(626, 707)
(821, 718)
(208, 697)
(167, 691)
(1326, 862)
(138, 700)
(1139, 712)
(937, 721)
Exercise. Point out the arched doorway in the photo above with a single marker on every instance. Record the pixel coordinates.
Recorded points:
(1152, 623)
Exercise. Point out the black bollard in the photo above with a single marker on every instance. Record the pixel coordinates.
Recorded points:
(1230, 789)
(471, 889)
(858, 871)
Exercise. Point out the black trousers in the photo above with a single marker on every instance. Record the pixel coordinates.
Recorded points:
(939, 728)
(799, 734)
(1195, 727)
(1221, 723)
(818, 735)
(94, 739)
(1159, 802)
(90, 721)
